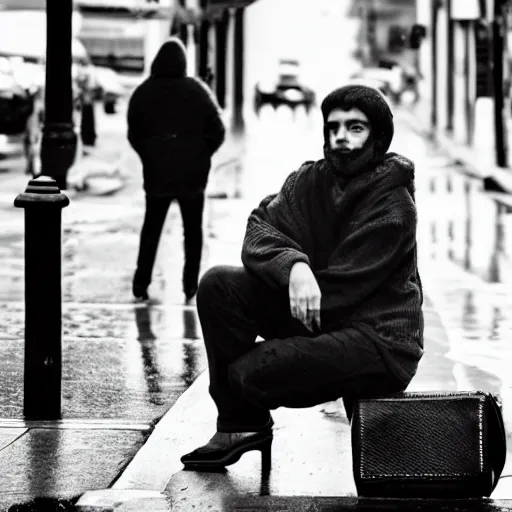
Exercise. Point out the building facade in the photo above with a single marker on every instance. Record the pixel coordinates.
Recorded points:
(466, 58)
(124, 34)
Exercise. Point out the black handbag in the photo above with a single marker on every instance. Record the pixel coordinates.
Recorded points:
(428, 445)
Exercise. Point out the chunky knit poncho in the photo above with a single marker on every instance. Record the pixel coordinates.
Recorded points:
(360, 242)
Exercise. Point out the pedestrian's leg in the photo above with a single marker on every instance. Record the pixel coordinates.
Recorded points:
(192, 215)
(302, 371)
(234, 308)
(154, 219)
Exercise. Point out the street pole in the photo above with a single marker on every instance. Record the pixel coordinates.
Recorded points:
(450, 69)
(183, 29)
(221, 35)
(433, 42)
(238, 124)
(467, 90)
(498, 36)
(59, 140)
(43, 203)
(204, 29)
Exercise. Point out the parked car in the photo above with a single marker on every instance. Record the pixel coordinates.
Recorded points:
(23, 56)
(285, 87)
(20, 106)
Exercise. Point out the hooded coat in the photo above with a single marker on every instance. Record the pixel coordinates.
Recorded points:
(358, 235)
(174, 125)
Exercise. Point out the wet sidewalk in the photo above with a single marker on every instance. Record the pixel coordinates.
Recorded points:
(134, 381)
(466, 341)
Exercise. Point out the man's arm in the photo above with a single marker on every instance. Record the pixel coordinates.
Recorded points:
(364, 260)
(272, 240)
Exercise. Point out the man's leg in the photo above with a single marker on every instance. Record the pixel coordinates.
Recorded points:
(234, 308)
(154, 219)
(302, 371)
(192, 215)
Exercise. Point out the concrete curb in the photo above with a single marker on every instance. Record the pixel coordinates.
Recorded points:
(123, 501)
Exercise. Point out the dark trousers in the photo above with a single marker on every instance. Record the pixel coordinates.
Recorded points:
(292, 368)
(191, 208)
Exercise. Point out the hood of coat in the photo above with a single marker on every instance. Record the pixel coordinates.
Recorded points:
(393, 171)
(171, 60)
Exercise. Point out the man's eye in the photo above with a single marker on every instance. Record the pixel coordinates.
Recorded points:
(357, 128)
(333, 127)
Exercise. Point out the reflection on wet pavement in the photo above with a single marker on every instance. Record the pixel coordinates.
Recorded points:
(130, 363)
(463, 223)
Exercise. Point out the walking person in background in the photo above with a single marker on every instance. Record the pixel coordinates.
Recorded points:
(174, 125)
(329, 280)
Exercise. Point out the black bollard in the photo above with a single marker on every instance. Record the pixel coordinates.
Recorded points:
(43, 203)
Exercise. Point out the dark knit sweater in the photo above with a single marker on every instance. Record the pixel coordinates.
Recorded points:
(360, 243)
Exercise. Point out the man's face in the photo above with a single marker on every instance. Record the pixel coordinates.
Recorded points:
(347, 129)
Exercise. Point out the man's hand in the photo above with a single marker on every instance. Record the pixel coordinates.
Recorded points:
(304, 295)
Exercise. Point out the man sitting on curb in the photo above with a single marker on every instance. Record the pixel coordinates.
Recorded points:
(330, 281)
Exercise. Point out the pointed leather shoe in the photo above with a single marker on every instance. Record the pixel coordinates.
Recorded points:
(226, 448)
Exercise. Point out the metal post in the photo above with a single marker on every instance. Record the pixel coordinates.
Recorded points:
(498, 37)
(59, 140)
(183, 30)
(450, 69)
(467, 91)
(238, 75)
(87, 117)
(43, 203)
(371, 28)
(433, 112)
(221, 34)
(204, 29)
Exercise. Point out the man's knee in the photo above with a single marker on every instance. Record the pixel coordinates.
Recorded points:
(211, 281)
(214, 284)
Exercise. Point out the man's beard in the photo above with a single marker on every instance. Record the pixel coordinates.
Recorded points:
(347, 164)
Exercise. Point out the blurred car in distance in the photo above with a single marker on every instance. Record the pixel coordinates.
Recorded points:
(23, 57)
(284, 87)
(21, 105)
(385, 78)
(396, 79)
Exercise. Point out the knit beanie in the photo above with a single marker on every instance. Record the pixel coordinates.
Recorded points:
(371, 102)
